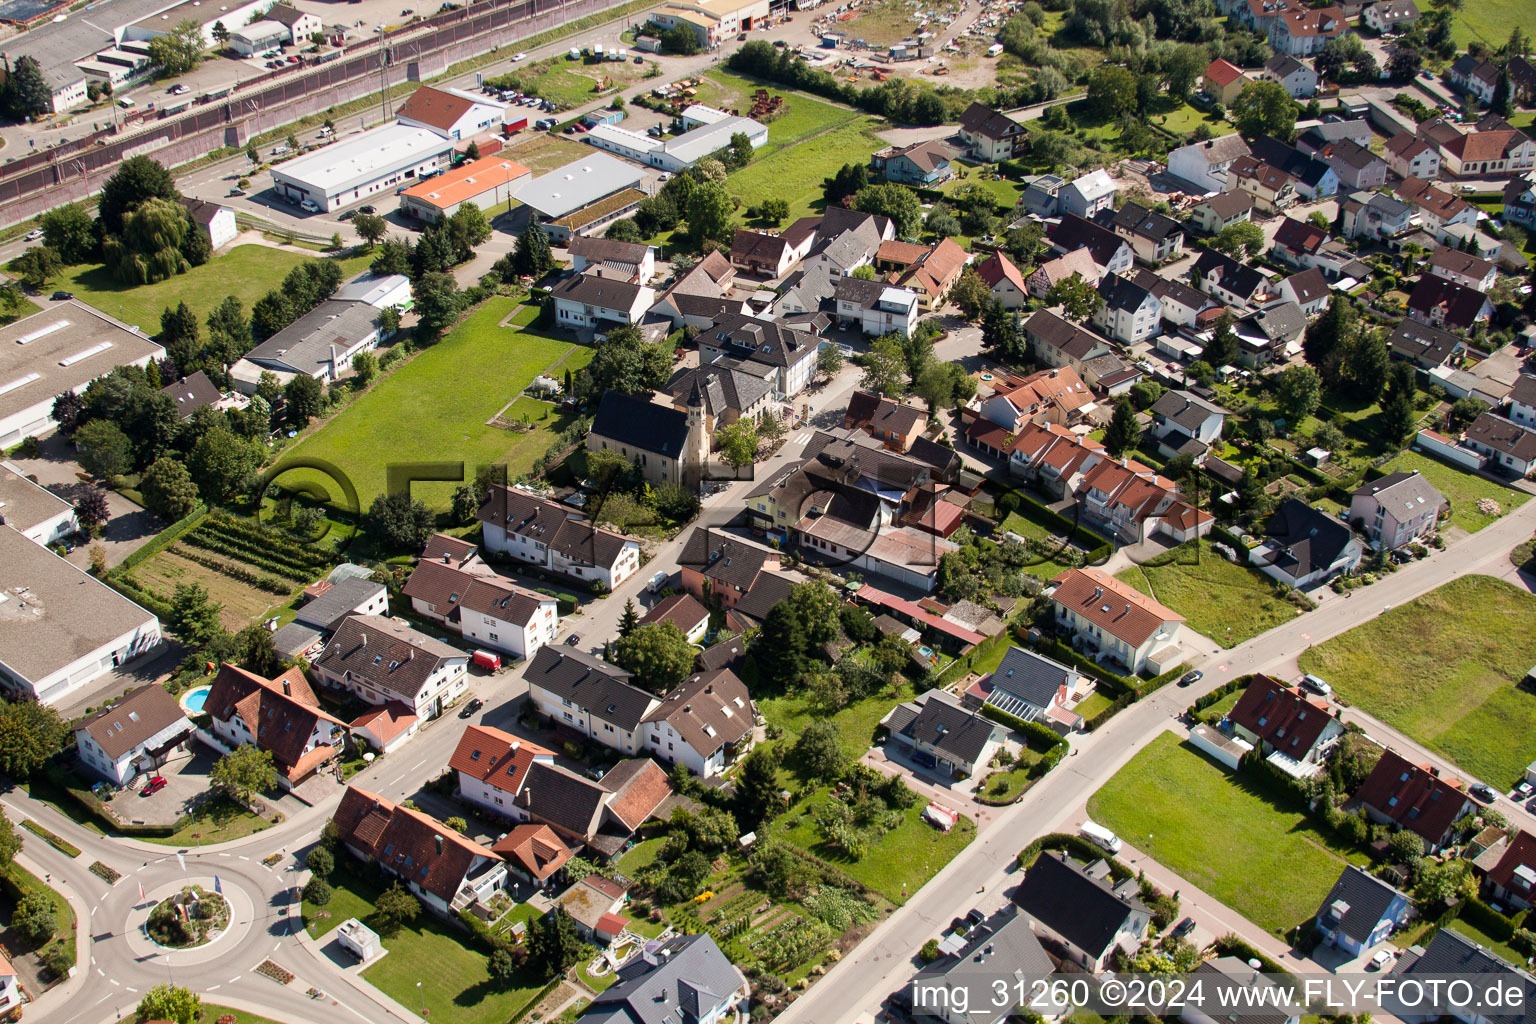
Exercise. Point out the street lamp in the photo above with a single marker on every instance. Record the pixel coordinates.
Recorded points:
(423, 997)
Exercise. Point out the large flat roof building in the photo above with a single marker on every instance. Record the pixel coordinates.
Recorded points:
(60, 627)
(38, 514)
(207, 15)
(489, 183)
(712, 134)
(59, 46)
(363, 165)
(321, 343)
(63, 348)
(567, 189)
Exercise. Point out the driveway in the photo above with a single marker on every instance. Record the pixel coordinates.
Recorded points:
(186, 776)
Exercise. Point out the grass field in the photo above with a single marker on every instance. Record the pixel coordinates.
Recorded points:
(855, 723)
(1482, 938)
(1446, 669)
(63, 917)
(882, 23)
(1228, 603)
(247, 272)
(217, 821)
(543, 152)
(241, 602)
(570, 83)
(1196, 819)
(794, 173)
(1044, 568)
(1490, 21)
(439, 404)
(1461, 489)
(800, 116)
(214, 1012)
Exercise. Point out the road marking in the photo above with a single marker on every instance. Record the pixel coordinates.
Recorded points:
(114, 981)
(244, 857)
(1306, 636)
(418, 764)
(1223, 668)
(94, 909)
(235, 979)
(224, 855)
(130, 988)
(101, 972)
(212, 987)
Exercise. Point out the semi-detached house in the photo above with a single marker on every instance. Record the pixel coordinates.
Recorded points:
(1414, 797)
(382, 660)
(491, 766)
(549, 535)
(485, 608)
(1123, 623)
(597, 300)
(1293, 731)
(790, 354)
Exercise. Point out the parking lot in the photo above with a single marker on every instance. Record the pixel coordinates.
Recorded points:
(186, 777)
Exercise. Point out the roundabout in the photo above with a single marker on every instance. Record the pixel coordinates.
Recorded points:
(238, 915)
(190, 918)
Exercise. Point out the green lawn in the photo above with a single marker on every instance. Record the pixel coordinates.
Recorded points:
(896, 866)
(1043, 568)
(439, 406)
(642, 855)
(213, 1012)
(1092, 704)
(1195, 818)
(1490, 21)
(1446, 669)
(1228, 603)
(855, 723)
(1487, 941)
(247, 272)
(800, 116)
(217, 821)
(571, 83)
(1004, 192)
(63, 917)
(1461, 489)
(794, 173)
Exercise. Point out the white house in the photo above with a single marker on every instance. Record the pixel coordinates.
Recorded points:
(1304, 545)
(787, 353)
(1088, 194)
(301, 25)
(136, 734)
(216, 222)
(280, 716)
(629, 261)
(492, 765)
(585, 300)
(483, 607)
(1129, 312)
(1125, 624)
(1397, 509)
(37, 514)
(1206, 163)
(1005, 281)
(451, 113)
(877, 308)
(687, 970)
(1179, 416)
(546, 534)
(10, 989)
(381, 660)
(704, 723)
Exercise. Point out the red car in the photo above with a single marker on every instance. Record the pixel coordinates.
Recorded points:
(153, 786)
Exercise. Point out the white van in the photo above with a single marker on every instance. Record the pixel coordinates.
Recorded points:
(1100, 836)
(657, 582)
(995, 49)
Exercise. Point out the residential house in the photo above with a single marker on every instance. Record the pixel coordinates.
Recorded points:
(1269, 332)
(922, 164)
(1110, 252)
(1303, 32)
(138, 733)
(554, 537)
(1304, 546)
(1314, 178)
(624, 261)
(1356, 166)
(845, 239)
(1409, 156)
(1155, 237)
(586, 695)
(193, 392)
(214, 222)
(1389, 17)
(1522, 400)
(1088, 194)
(329, 604)
(1415, 798)
(724, 391)
(1052, 456)
(1032, 687)
(1314, 134)
(1486, 152)
(1297, 242)
(534, 853)
(1120, 621)
(1504, 443)
(1522, 79)
(1007, 285)
(683, 611)
(1233, 974)
(384, 728)
(597, 301)
(1308, 289)
(1221, 210)
(446, 870)
(482, 606)
(1424, 346)
(1294, 732)
(603, 814)
(930, 271)
(1223, 80)
(1181, 304)
(1396, 509)
(1206, 164)
(1441, 302)
(876, 307)
(1513, 879)
(1520, 200)
(491, 766)
(1057, 395)
(1376, 217)
(1002, 945)
(891, 421)
(938, 731)
(1130, 502)
(1271, 188)
(1296, 78)
(718, 566)
(990, 136)
(1078, 263)
(593, 904)
(709, 279)
(1088, 916)
(1465, 269)
(1060, 343)
(790, 353)
(766, 255)
(1361, 911)
(666, 445)
(1129, 312)
(281, 716)
(1040, 195)
(1234, 283)
(1438, 210)
(1452, 953)
(381, 660)
(1179, 417)
(1477, 77)
(686, 971)
(704, 723)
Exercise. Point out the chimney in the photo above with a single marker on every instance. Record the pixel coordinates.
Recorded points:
(446, 559)
(287, 688)
(1434, 770)
(364, 641)
(437, 841)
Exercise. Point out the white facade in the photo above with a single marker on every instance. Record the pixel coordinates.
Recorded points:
(236, 732)
(121, 769)
(258, 36)
(1206, 163)
(573, 716)
(1131, 325)
(522, 641)
(668, 744)
(573, 313)
(377, 161)
(625, 564)
(79, 673)
(206, 15)
(896, 311)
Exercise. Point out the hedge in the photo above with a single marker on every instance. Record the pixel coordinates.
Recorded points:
(1158, 682)
(1061, 652)
(164, 538)
(1232, 945)
(1039, 737)
(961, 667)
(1078, 847)
(1226, 689)
(67, 781)
(1116, 706)
(1487, 920)
(129, 588)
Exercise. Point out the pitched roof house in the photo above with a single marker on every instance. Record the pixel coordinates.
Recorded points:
(1452, 953)
(1513, 879)
(1032, 687)
(1007, 284)
(1397, 509)
(483, 606)
(1414, 797)
(1304, 545)
(1424, 346)
(939, 731)
(1060, 343)
(894, 422)
(281, 716)
(685, 979)
(533, 851)
(1441, 302)
(1124, 623)
(923, 164)
(1463, 268)
(550, 535)
(1294, 731)
(1507, 444)
(1154, 236)
(1205, 163)
(990, 135)
(1087, 915)
(492, 765)
(1078, 263)
(383, 660)
(1112, 253)
(1360, 911)
(1223, 80)
(788, 352)
(132, 735)
(602, 814)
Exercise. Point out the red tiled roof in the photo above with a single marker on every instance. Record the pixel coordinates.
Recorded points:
(282, 722)
(1223, 72)
(1281, 716)
(386, 721)
(997, 267)
(410, 844)
(495, 757)
(1413, 796)
(536, 848)
(682, 609)
(880, 598)
(1521, 852)
(637, 796)
(612, 924)
(1119, 610)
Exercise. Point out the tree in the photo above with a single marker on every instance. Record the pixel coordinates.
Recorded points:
(396, 906)
(243, 772)
(1503, 102)
(370, 227)
(503, 967)
(26, 90)
(1405, 847)
(168, 489)
(625, 362)
(91, 509)
(194, 619)
(1078, 299)
(229, 331)
(944, 386)
(818, 753)
(30, 733)
(848, 181)
(1367, 363)
(10, 841)
(757, 788)
(181, 335)
(70, 231)
(36, 266)
(657, 653)
(1123, 431)
(1322, 343)
(1222, 349)
(864, 273)
(1299, 393)
(625, 230)
(1112, 91)
(151, 246)
(680, 40)
(629, 619)
(104, 450)
(1265, 108)
(175, 1004)
(303, 399)
(468, 229)
(220, 464)
(317, 891)
(885, 367)
(393, 256)
(1000, 336)
(1397, 416)
(1403, 62)
(711, 213)
(897, 202)
(971, 294)
(178, 51)
(137, 179)
(1244, 238)
(220, 33)
(552, 941)
(738, 443)
(438, 303)
(774, 211)
(829, 360)
(365, 367)
(400, 522)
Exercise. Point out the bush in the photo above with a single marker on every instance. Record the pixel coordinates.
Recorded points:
(318, 891)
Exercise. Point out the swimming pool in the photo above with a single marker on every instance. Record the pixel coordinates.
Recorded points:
(192, 701)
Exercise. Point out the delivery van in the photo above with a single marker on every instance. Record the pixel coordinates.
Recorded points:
(1100, 836)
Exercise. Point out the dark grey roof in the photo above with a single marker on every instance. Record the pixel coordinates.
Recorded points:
(718, 388)
(1186, 409)
(761, 341)
(592, 290)
(641, 425)
(1229, 971)
(1281, 321)
(559, 797)
(725, 654)
(347, 596)
(304, 346)
(1145, 223)
(1228, 204)
(1030, 676)
(1504, 436)
(549, 523)
(1453, 953)
(725, 559)
(1178, 291)
(858, 291)
(1524, 391)
(134, 720)
(293, 638)
(1235, 277)
(1076, 233)
(1283, 64)
(953, 731)
(1066, 337)
(1357, 903)
(1289, 159)
(1308, 285)
(1122, 293)
(591, 683)
(1002, 946)
(1312, 539)
(191, 393)
(684, 979)
(756, 603)
(1423, 344)
(1060, 895)
(1399, 490)
(393, 657)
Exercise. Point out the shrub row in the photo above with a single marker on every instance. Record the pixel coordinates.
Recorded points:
(1226, 689)
(1053, 648)
(164, 538)
(247, 529)
(59, 843)
(239, 553)
(1078, 847)
(252, 548)
(1232, 945)
(1116, 706)
(1474, 911)
(129, 588)
(961, 667)
(1039, 737)
(239, 573)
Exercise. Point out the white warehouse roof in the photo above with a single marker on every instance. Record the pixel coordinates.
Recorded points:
(569, 188)
(362, 158)
(693, 146)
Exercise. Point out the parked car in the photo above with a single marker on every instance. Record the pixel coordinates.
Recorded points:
(1382, 960)
(34, 235)
(309, 206)
(1483, 793)
(60, 296)
(1191, 678)
(573, 640)
(1183, 928)
(471, 706)
(365, 209)
(1316, 685)
(236, 191)
(154, 786)
(519, 56)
